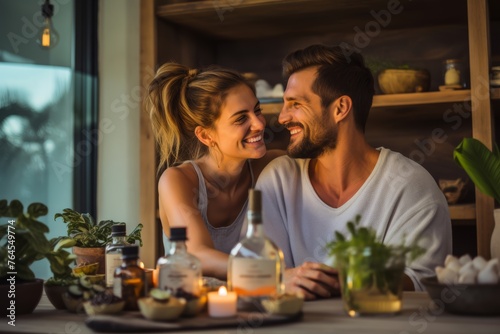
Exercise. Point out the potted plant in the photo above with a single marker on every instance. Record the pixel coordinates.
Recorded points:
(370, 272)
(61, 262)
(23, 242)
(90, 237)
(483, 168)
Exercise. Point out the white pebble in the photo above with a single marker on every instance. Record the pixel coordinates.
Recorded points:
(449, 258)
(494, 263)
(468, 277)
(464, 259)
(446, 276)
(479, 263)
(489, 275)
(467, 268)
(454, 265)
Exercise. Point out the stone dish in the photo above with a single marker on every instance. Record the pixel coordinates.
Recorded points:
(168, 311)
(284, 304)
(469, 299)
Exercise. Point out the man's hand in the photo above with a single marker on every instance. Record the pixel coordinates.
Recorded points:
(313, 280)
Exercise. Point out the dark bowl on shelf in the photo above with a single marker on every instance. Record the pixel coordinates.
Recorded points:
(469, 299)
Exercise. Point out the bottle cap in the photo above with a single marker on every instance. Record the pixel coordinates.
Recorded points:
(130, 252)
(118, 230)
(178, 234)
(254, 200)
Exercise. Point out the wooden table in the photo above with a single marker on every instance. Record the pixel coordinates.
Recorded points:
(324, 316)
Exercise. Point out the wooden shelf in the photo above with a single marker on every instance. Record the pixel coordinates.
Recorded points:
(396, 100)
(399, 100)
(268, 18)
(462, 211)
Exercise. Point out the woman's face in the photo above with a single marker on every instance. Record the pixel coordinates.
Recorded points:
(239, 131)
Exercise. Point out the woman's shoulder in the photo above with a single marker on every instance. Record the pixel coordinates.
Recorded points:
(178, 176)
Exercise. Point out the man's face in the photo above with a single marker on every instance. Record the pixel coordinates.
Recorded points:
(312, 129)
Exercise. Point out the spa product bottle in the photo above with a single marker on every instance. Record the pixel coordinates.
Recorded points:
(255, 267)
(179, 271)
(114, 251)
(129, 279)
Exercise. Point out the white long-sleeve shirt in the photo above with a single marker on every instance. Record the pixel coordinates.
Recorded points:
(400, 200)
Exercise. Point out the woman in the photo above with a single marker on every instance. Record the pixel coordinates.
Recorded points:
(210, 130)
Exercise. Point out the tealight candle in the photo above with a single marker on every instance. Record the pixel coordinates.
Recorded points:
(222, 303)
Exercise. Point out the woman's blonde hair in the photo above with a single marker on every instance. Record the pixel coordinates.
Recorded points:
(180, 99)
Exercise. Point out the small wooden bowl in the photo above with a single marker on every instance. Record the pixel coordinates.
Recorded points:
(399, 81)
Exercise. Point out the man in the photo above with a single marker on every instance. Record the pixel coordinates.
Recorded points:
(332, 174)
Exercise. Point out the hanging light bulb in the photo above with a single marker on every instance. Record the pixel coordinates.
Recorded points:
(49, 37)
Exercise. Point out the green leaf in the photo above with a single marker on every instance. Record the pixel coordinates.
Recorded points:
(481, 164)
(36, 210)
(64, 243)
(15, 208)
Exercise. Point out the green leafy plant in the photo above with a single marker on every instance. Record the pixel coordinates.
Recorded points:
(481, 164)
(84, 230)
(367, 264)
(23, 242)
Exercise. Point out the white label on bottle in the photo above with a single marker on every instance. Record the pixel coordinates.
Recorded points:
(253, 277)
(175, 278)
(113, 261)
(117, 287)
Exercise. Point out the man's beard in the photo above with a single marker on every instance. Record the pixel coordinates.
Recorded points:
(312, 146)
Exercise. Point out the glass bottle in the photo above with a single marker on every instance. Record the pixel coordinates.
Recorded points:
(129, 279)
(114, 251)
(256, 264)
(179, 271)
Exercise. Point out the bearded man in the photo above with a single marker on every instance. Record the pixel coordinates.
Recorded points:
(332, 175)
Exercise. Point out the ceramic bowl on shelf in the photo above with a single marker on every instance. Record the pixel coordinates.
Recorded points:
(400, 81)
(467, 299)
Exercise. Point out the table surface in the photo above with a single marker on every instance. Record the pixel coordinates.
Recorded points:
(419, 315)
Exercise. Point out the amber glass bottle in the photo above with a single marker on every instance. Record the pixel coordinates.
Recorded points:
(129, 282)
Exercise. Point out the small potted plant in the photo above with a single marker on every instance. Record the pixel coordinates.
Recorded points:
(22, 241)
(61, 262)
(91, 237)
(483, 167)
(370, 272)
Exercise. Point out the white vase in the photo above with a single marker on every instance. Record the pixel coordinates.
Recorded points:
(495, 236)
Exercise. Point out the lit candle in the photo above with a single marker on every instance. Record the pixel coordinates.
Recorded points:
(222, 303)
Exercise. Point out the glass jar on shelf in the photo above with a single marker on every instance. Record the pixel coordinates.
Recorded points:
(453, 73)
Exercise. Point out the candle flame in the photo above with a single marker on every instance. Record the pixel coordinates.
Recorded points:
(141, 264)
(222, 291)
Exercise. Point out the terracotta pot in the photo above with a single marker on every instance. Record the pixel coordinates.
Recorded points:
(27, 296)
(90, 255)
(495, 236)
(54, 294)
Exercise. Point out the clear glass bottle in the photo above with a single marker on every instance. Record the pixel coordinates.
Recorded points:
(129, 279)
(179, 271)
(256, 264)
(114, 251)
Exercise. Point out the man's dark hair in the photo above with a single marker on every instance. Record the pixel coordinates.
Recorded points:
(338, 74)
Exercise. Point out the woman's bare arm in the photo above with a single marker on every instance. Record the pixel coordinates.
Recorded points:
(178, 196)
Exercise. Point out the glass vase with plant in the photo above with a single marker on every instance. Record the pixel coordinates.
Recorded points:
(370, 272)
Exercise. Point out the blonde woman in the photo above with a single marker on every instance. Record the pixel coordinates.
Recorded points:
(209, 128)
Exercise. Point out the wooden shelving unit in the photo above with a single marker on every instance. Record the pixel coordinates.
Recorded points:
(254, 35)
